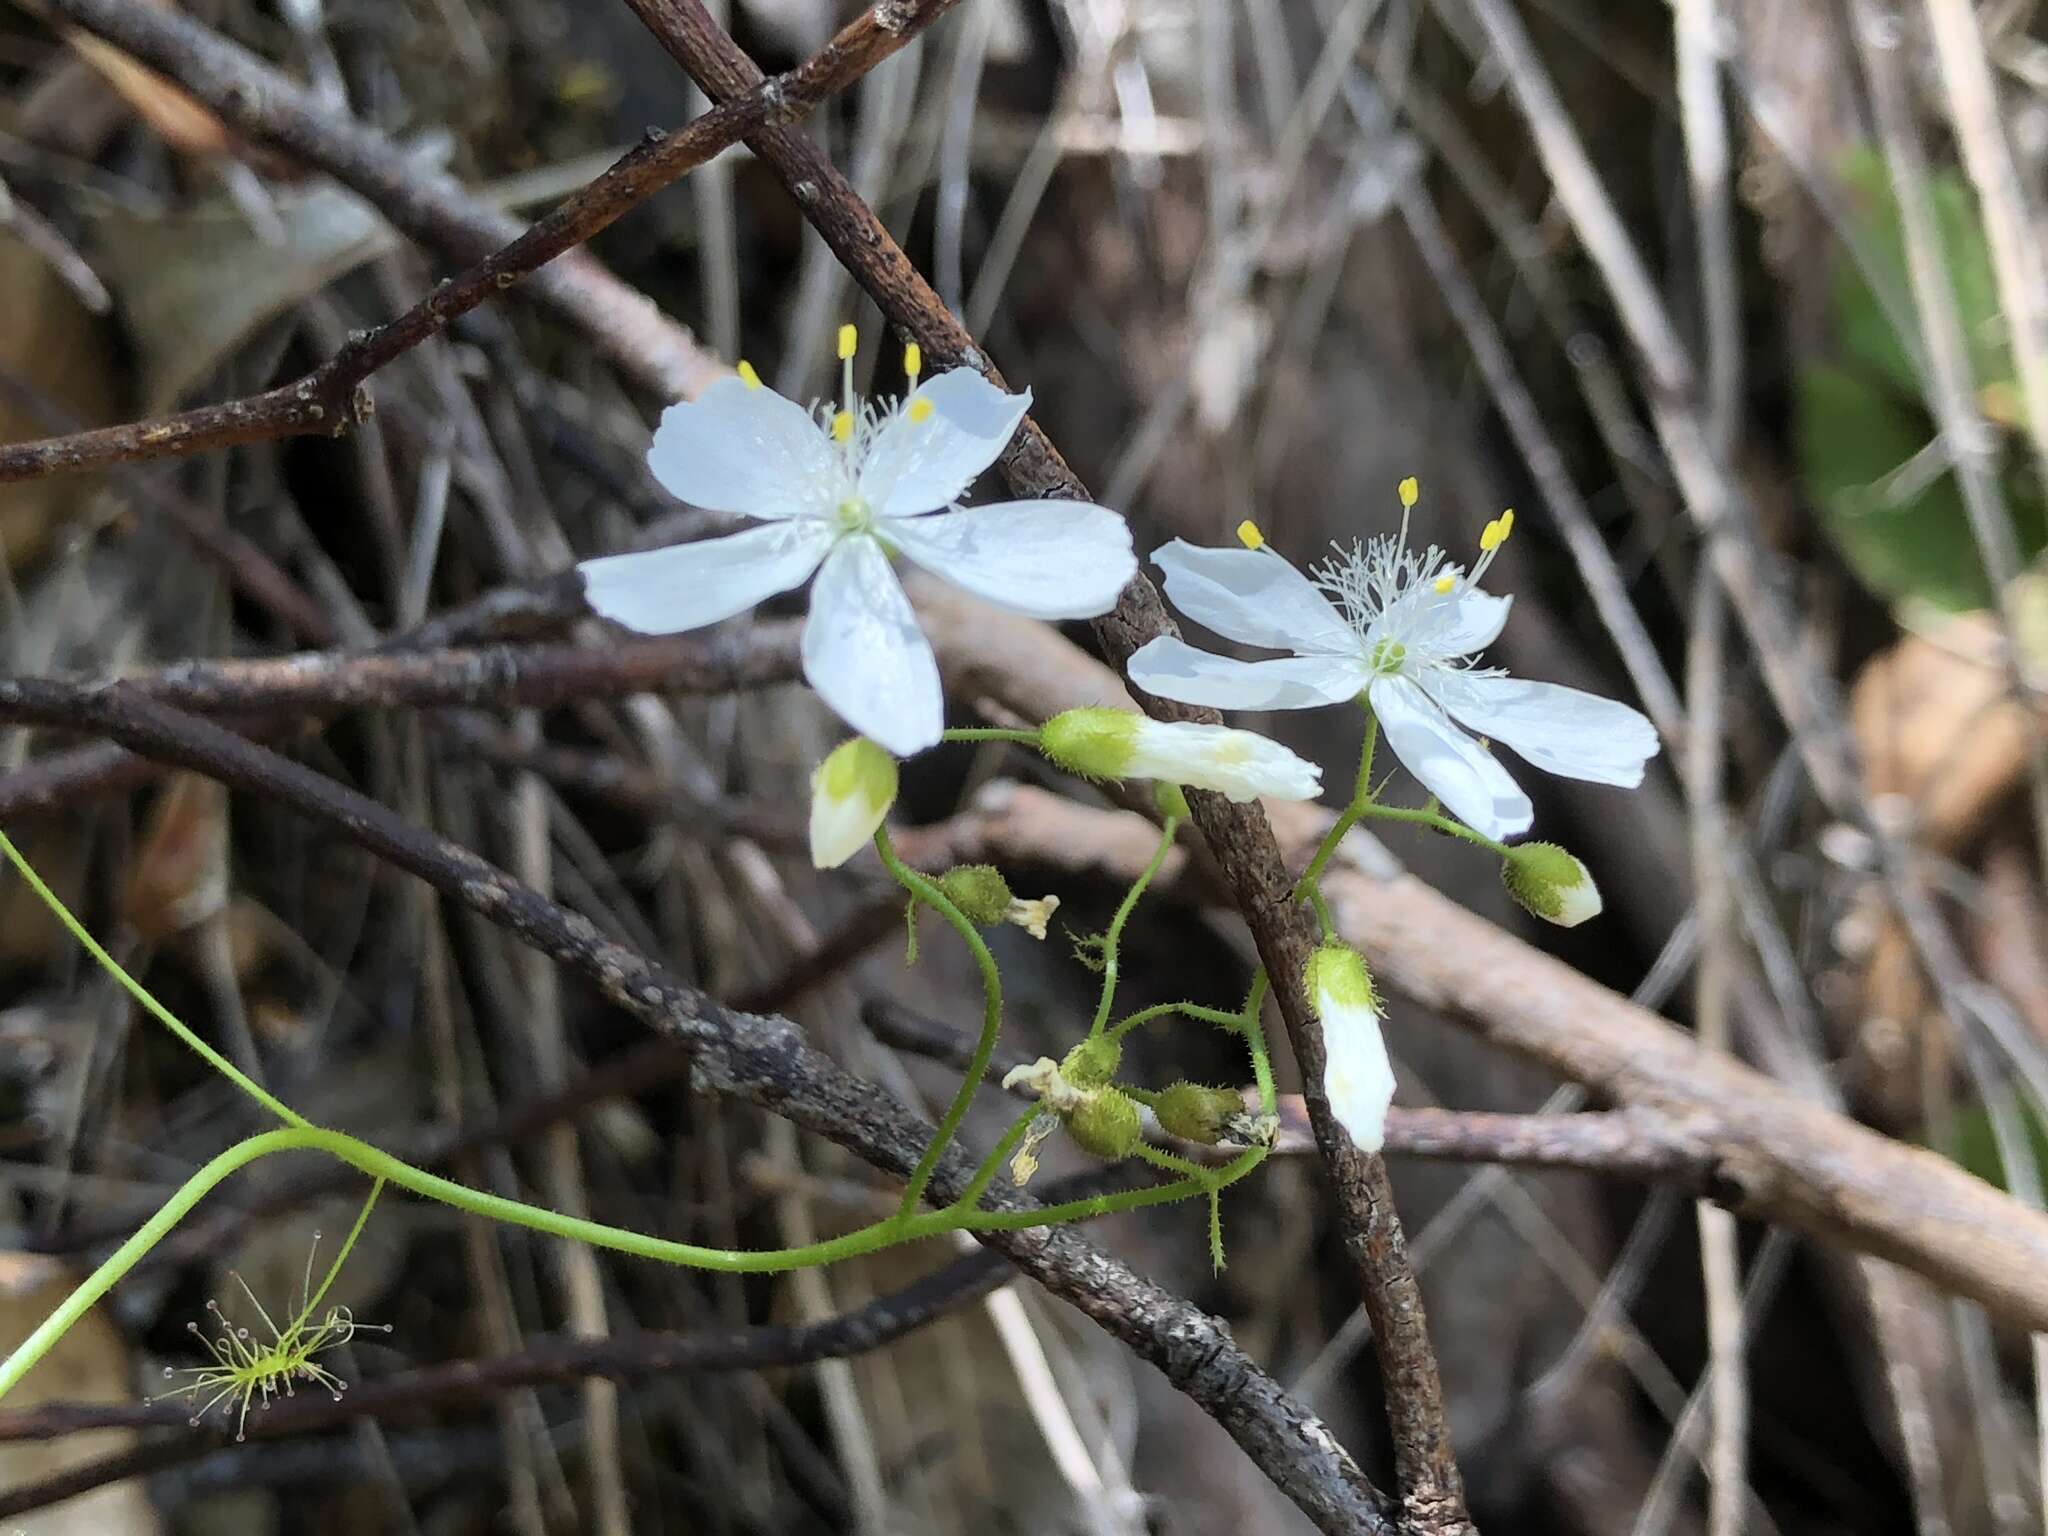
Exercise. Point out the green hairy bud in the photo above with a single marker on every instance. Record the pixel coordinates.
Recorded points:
(979, 891)
(1105, 1123)
(1195, 1112)
(1094, 743)
(1550, 883)
(1093, 1062)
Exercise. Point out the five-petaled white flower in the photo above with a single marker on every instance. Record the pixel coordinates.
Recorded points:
(840, 491)
(1400, 628)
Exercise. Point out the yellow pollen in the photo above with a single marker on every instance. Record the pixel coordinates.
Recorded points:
(1445, 582)
(1495, 533)
(913, 360)
(849, 340)
(842, 427)
(1249, 536)
(747, 375)
(1507, 522)
(920, 411)
(1411, 491)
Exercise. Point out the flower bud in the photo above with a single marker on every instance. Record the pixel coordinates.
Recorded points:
(1357, 1076)
(979, 891)
(1094, 743)
(1117, 743)
(1171, 801)
(1550, 883)
(1105, 1123)
(1093, 1062)
(1194, 1112)
(851, 792)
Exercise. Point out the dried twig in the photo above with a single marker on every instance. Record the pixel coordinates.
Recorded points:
(270, 110)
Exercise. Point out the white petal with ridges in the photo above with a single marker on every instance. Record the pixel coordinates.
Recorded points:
(865, 655)
(1047, 559)
(1561, 730)
(1172, 669)
(745, 449)
(1357, 1076)
(1253, 595)
(1239, 765)
(1450, 764)
(686, 586)
(920, 466)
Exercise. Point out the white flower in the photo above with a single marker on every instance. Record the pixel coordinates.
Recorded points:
(851, 793)
(838, 492)
(1402, 629)
(1120, 744)
(1357, 1077)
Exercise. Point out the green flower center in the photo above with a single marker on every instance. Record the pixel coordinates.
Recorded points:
(854, 516)
(1387, 657)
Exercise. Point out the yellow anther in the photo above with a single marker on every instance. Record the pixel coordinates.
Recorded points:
(1411, 491)
(747, 375)
(1507, 522)
(849, 340)
(1445, 582)
(842, 427)
(913, 361)
(920, 411)
(1495, 533)
(1249, 536)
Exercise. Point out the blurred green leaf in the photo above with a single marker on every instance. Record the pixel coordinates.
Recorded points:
(1862, 417)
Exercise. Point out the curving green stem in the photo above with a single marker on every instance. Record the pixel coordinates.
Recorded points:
(1438, 821)
(1112, 939)
(1361, 802)
(991, 1018)
(348, 1246)
(142, 994)
(1220, 1017)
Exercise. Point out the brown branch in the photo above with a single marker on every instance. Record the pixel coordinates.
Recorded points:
(500, 676)
(1431, 1490)
(269, 109)
(765, 1061)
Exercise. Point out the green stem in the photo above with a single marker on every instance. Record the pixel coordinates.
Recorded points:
(990, 733)
(985, 1175)
(1196, 1011)
(1440, 822)
(1361, 800)
(991, 1018)
(1114, 937)
(1125, 1200)
(1255, 1043)
(141, 994)
(347, 1247)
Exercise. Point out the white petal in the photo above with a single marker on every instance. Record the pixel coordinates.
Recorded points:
(1047, 559)
(1255, 596)
(1240, 765)
(1561, 730)
(1471, 624)
(742, 448)
(1172, 669)
(686, 586)
(1357, 1076)
(866, 656)
(1451, 765)
(921, 466)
